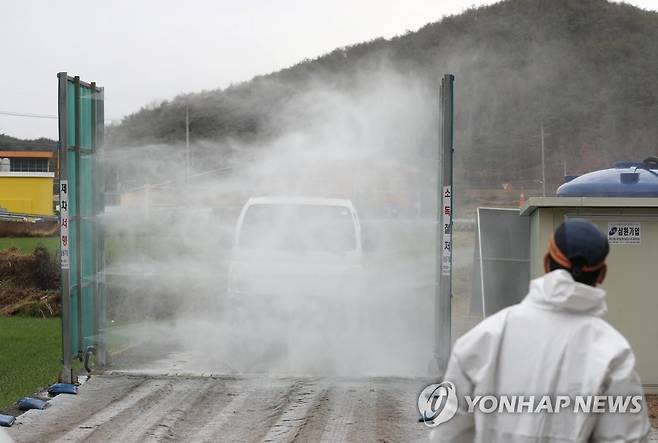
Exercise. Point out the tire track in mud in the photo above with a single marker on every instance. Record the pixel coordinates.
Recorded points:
(396, 414)
(332, 418)
(99, 426)
(212, 424)
(293, 416)
(364, 428)
(187, 421)
(163, 428)
(341, 416)
(251, 414)
(374, 409)
(362, 410)
(133, 424)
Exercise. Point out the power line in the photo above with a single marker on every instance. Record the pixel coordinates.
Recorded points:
(30, 115)
(19, 114)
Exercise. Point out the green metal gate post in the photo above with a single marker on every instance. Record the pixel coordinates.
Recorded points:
(67, 353)
(443, 295)
(77, 221)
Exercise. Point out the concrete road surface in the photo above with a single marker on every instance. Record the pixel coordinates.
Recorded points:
(134, 408)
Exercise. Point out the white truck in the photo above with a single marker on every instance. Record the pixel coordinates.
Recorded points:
(296, 246)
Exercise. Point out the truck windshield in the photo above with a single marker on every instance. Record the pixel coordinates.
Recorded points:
(297, 227)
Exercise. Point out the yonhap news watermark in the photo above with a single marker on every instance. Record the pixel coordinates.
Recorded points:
(519, 404)
(438, 403)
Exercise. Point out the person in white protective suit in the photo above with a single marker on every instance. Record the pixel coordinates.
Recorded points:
(552, 343)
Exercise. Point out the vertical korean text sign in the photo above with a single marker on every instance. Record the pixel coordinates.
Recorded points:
(447, 231)
(64, 222)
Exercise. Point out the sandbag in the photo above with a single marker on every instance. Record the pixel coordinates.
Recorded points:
(7, 420)
(62, 388)
(27, 403)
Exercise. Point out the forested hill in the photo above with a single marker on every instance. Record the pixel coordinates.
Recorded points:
(585, 69)
(8, 142)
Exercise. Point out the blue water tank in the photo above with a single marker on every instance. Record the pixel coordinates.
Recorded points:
(624, 179)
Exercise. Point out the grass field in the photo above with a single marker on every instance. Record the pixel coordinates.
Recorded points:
(27, 244)
(30, 352)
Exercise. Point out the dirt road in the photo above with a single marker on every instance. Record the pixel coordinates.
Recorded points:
(131, 408)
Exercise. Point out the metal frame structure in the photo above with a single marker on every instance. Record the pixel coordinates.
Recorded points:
(73, 146)
(507, 217)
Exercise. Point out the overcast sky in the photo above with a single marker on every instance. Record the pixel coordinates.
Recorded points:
(143, 51)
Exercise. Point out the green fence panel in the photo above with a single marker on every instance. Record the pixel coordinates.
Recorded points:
(87, 245)
(73, 257)
(81, 133)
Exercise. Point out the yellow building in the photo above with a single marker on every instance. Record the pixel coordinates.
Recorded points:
(26, 181)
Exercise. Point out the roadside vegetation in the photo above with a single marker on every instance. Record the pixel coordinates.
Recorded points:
(30, 352)
(28, 244)
(30, 329)
(29, 282)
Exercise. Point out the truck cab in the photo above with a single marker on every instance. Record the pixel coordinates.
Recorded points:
(286, 245)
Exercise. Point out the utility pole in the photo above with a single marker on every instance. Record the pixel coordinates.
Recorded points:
(187, 144)
(543, 162)
(564, 162)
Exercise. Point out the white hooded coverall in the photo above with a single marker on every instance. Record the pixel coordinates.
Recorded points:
(552, 343)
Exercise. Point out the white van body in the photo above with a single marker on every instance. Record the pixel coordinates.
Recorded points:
(296, 245)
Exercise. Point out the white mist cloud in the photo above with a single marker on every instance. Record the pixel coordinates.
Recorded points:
(373, 146)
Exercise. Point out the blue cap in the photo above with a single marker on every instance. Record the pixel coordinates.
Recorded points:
(582, 242)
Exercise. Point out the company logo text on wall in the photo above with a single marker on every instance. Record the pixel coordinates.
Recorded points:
(438, 403)
(624, 233)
